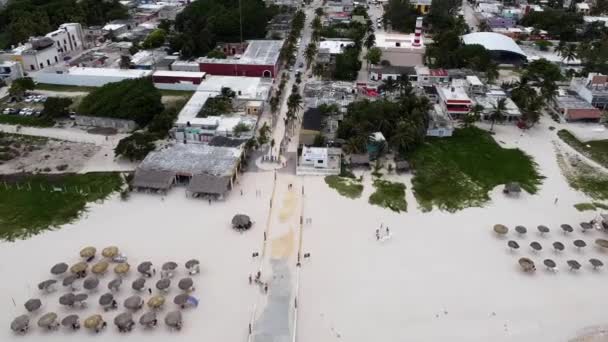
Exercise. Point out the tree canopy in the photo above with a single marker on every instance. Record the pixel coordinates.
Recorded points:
(155, 39)
(557, 22)
(20, 19)
(136, 146)
(133, 99)
(204, 23)
(401, 14)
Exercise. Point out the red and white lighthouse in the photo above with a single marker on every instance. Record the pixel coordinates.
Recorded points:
(418, 33)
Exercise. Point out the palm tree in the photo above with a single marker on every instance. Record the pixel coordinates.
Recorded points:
(405, 137)
(492, 72)
(484, 26)
(310, 53)
(274, 104)
(403, 83)
(498, 114)
(570, 53)
(389, 85)
(474, 115)
(356, 144)
(560, 48)
(370, 41)
(318, 70)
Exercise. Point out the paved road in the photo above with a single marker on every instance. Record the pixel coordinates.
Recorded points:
(469, 16)
(374, 12)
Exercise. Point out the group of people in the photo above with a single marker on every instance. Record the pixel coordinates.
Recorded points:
(380, 231)
(258, 281)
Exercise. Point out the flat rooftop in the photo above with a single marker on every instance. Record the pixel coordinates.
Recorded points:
(169, 73)
(250, 88)
(193, 159)
(335, 46)
(453, 93)
(397, 40)
(258, 52)
(572, 102)
(105, 72)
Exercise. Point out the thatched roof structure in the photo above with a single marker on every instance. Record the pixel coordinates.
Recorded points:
(359, 159)
(208, 184)
(152, 179)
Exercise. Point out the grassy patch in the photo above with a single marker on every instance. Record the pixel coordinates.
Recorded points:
(584, 177)
(600, 205)
(26, 121)
(346, 187)
(389, 195)
(72, 88)
(61, 87)
(584, 206)
(597, 150)
(458, 172)
(30, 204)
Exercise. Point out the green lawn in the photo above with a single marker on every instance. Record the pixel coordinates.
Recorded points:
(26, 121)
(30, 204)
(458, 172)
(597, 150)
(71, 88)
(347, 187)
(389, 195)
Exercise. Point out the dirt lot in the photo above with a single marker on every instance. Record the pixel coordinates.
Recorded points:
(20, 153)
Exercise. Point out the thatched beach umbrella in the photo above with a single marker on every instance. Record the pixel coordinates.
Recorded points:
(145, 268)
(186, 284)
(90, 283)
(521, 230)
(567, 228)
(163, 284)
(596, 263)
(574, 265)
(579, 244)
(21, 324)
(47, 285)
(558, 246)
(114, 285)
(602, 243)
(501, 229)
(148, 319)
(80, 298)
(69, 280)
(88, 252)
(240, 221)
(107, 301)
(122, 268)
(48, 320)
(536, 246)
(33, 304)
(67, 299)
(95, 323)
(192, 263)
(134, 303)
(59, 268)
(138, 284)
(124, 322)
(100, 267)
(71, 321)
(543, 229)
(550, 264)
(586, 226)
(513, 244)
(79, 268)
(174, 320)
(156, 302)
(110, 252)
(527, 264)
(169, 266)
(181, 299)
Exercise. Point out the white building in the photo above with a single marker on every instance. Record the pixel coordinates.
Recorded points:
(454, 100)
(41, 52)
(89, 77)
(335, 46)
(10, 70)
(319, 161)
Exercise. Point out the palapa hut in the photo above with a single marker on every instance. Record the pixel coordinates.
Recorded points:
(208, 170)
(512, 188)
(402, 166)
(359, 160)
(153, 180)
(204, 184)
(241, 222)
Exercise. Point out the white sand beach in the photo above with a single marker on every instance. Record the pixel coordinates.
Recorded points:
(441, 276)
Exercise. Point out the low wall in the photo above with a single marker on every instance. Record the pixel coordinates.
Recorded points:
(177, 86)
(95, 121)
(312, 171)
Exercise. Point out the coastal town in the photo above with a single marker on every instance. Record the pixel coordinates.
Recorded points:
(317, 170)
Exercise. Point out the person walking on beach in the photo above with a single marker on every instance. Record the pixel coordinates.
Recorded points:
(377, 234)
(387, 232)
(555, 202)
(266, 288)
(150, 290)
(250, 279)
